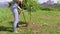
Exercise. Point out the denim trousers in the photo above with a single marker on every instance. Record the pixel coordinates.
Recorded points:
(14, 9)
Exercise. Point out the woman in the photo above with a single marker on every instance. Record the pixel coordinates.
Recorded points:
(14, 8)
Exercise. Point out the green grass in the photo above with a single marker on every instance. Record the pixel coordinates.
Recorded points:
(50, 21)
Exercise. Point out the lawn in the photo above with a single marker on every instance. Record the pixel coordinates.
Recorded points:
(48, 22)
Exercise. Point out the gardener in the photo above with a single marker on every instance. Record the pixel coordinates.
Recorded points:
(14, 8)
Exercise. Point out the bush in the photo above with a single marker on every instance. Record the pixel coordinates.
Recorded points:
(46, 8)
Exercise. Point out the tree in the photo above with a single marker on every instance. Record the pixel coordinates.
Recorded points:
(31, 5)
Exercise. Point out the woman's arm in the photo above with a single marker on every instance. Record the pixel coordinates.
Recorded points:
(19, 8)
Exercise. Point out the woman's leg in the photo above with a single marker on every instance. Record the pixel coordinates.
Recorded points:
(16, 16)
(16, 19)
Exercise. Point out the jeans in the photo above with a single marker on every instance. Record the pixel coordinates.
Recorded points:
(14, 10)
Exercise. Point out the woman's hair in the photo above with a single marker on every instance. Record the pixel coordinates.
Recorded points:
(20, 5)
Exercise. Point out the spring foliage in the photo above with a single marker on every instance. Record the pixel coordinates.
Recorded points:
(31, 5)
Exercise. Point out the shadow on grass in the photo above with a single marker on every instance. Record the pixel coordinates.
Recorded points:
(3, 28)
(10, 29)
(20, 23)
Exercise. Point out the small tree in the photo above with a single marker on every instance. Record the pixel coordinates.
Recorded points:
(31, 5)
